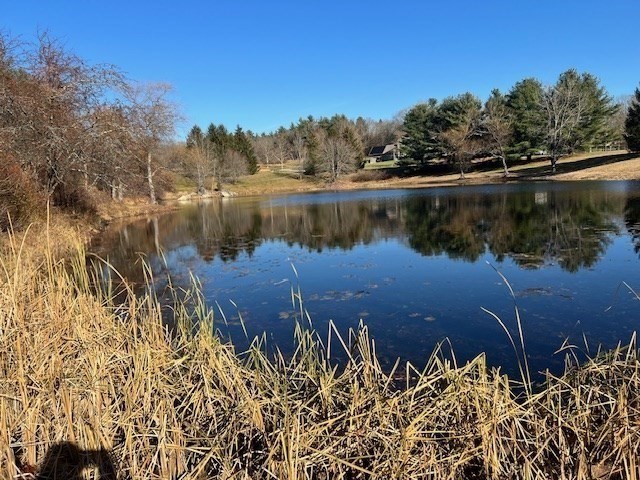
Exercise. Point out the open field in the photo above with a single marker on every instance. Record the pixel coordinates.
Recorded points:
(94, 384)
(272, 181)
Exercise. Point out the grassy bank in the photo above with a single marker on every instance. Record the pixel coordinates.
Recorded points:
(90, 384)
(617, 165)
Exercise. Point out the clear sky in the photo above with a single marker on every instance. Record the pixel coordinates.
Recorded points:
(262, 64)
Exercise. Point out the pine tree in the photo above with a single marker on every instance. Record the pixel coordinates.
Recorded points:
(421, 130)
(242, 145)
(632, 124)
(528, 120)
(459, 132)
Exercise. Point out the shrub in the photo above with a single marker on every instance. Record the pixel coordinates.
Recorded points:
(20, 199)
(75, 198)
(370, 176)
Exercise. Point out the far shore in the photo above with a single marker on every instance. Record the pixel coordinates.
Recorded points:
(614, 165)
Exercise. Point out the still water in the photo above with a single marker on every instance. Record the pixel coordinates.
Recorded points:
(417, 266)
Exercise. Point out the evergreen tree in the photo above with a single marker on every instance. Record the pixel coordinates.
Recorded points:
(195, 136)
(219, 136)
(309, 129)
(528, 119)
(594, 126)
(459, 121)
(453, 111)
(632, 124)
(242, 145)
(421, 129)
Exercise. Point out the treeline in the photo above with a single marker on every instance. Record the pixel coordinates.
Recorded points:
(69, 129)
(219, 154)
(327, 147)
(574, 114)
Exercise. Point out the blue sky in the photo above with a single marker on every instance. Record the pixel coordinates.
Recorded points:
(262, 64)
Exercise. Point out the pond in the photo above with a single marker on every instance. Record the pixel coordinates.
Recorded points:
(416, 266)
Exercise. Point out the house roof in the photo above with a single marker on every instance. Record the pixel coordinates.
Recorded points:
(380, 150)
(375, 151)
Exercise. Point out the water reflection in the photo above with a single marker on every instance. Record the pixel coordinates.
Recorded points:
(569, 227)
(411, 263)
(632, 219)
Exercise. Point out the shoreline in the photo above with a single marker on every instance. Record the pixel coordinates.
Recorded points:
(617, 165)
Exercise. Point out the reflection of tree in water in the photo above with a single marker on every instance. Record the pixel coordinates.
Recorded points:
(333, 225)
(226, 230)
(632, 220)
(570, 228)
(452, 225)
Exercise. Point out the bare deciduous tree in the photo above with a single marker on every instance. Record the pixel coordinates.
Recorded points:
(462, 143)
(378, 132)
(299, 150)
(576, 110)
(264, 149)
(152, 118)
(49, 97)
(233, 166)
(563, 106)
(200, 159)
(340, 148)
(281, 147)
(337, 158)
(497, 127)
(109, 162)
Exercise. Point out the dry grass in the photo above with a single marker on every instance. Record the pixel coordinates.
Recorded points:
(370, 176)
(77, 367)
(268, 181)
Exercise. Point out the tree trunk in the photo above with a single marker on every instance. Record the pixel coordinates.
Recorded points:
(120, 190)
(554, 161)
(504, 165)
(152, 190)
(200, 181)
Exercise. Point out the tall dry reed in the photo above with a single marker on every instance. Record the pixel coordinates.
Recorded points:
(78, 368)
